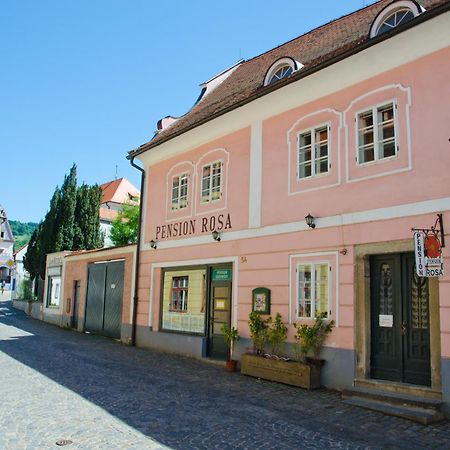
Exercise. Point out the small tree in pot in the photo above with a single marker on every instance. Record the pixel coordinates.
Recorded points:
(258, 332)
(231, 336)
(277, 334)
(311, 338)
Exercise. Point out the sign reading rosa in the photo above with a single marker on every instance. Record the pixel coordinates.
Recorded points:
(194, 226)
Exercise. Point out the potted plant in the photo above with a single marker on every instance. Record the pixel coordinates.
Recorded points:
(311, 339)
(258, 332)
(277, 334)
(231, 336)
(303, 373)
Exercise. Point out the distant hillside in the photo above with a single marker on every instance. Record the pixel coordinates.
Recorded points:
(22, 232)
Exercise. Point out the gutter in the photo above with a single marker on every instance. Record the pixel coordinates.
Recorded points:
(138, 252)
(367, 43)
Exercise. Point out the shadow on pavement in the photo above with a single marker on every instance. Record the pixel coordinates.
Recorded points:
(185, 403)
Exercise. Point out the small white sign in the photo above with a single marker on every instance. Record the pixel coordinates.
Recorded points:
(419, 250)
(386, 320)
(113, 286)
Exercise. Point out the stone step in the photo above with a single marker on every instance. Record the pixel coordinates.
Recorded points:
(418, 415)
(418, 409)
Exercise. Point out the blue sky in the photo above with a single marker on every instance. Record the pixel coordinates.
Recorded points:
(86, 81)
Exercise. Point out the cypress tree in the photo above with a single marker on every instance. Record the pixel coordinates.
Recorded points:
(66, 212)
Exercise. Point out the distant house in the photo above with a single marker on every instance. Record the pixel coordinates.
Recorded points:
(6, 252)
(116, 193)
(20, 274)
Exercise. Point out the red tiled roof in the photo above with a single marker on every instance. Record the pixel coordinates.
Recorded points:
(118, 191)
(314, 49)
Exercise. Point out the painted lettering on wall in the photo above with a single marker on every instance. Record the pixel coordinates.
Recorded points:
(194, 226)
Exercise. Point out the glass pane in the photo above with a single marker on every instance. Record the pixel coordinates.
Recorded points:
(184, 300)
(387, 149)
(385, 289)
(366, 154)
(304, 170)
(305, 139)
(321, 288)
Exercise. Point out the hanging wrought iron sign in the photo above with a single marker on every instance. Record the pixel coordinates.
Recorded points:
(428, 243)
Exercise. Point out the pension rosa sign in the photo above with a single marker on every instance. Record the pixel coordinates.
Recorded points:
(428, 253)
(194, 226)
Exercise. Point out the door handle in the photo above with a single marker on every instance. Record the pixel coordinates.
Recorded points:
(404, 328)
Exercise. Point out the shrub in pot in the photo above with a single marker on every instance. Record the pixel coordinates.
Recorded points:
(258, 332)
(231, 336)
(277, 334)
(310, 338)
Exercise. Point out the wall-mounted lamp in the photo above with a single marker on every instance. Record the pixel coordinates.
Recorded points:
(216, 236)
(153, 244)
(309, 219)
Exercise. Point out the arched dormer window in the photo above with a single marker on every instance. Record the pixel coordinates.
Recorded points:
(395, 14)
(281, 69)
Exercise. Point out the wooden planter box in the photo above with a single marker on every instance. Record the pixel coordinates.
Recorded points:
(287, 372)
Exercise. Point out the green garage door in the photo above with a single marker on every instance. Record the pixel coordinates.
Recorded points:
(104, 298)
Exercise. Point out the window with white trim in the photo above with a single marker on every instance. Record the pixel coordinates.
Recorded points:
(313, 281)
(53, 291)
(397, 18)
(312, 156)
(211, 182)
(376, 133)
(282, 72)
(179, 191)
(180, 288)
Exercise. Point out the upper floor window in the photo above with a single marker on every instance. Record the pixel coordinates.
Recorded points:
(211, 182)
(313, 289)
(281, 69)
(179, 191)
(376, 133)
(313, 152)
(395, 14)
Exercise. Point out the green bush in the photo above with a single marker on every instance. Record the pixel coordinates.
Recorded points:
(277, 334)
(258, 332)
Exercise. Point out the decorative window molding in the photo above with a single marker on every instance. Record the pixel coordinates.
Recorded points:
(394, 15)
(314, 286)
(306, 172)
(180, 191)
(377, 131)
(282, 68)
(211, 182)
(313, 289)
(389, 154)
(313, 152)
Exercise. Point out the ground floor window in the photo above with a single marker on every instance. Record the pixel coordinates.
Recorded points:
(313, 289)
(184, 300)
(53, 290)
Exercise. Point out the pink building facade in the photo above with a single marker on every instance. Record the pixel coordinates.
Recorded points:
(347, 124)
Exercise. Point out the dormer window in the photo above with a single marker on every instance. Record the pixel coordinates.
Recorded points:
(281, 69)
(394, 15)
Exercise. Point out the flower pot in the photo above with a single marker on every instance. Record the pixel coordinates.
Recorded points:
(288, 372)
(231, 365)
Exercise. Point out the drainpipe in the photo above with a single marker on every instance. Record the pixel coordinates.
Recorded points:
(138, 252)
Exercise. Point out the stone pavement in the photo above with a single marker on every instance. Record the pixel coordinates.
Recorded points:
(59, 384)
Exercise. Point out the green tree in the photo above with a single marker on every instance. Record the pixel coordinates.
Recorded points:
(124, 229)
(87, 218)
(65, 216)
(71, 223)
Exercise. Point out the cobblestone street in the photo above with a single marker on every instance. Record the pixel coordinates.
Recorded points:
(97, 393)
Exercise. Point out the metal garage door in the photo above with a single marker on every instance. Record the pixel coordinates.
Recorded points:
(104, 298)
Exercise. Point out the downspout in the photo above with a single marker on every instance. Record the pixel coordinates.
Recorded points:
(138, 252)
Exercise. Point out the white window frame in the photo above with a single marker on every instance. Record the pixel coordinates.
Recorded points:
(314, 300)
(176, 202)
(210, 198)
(374, 109)
(391, 9)
(54, 291)
(312, 130)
